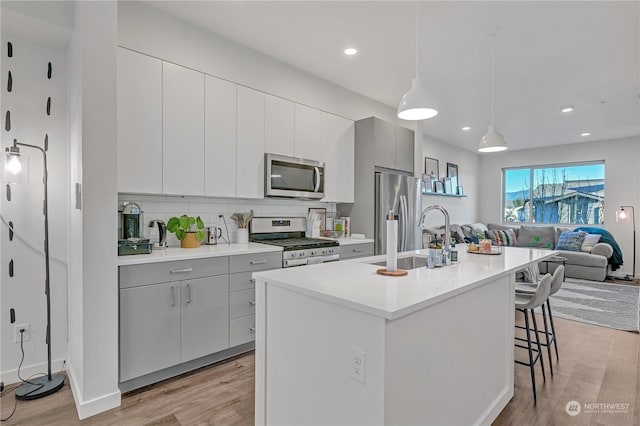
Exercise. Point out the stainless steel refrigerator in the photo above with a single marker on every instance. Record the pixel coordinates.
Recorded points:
(400, 193)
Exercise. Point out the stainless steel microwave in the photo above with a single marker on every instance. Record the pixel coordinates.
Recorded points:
(293, 177)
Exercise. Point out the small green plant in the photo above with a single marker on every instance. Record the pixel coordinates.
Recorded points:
(180, 226)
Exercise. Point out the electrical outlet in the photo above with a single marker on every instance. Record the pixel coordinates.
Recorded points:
(27, 332)
(357, 364)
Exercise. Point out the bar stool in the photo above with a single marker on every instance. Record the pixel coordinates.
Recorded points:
(526, 303)
(556, 284)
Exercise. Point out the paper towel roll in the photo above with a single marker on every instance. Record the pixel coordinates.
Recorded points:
(392, 245)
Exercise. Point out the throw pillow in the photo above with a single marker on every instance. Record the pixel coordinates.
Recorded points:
(493, 226)
(506, 237)
(559, 231)
(536, 236)
(590, 240)
(571, 241)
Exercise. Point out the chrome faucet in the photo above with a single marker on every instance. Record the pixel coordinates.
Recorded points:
(447, 235)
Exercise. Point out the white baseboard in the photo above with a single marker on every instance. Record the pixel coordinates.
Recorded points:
(11, 376)
(94, 406)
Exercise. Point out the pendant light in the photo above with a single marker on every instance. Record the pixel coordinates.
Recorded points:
(493, 141)
(417, 103)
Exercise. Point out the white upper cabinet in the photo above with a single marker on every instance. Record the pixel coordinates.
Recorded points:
(182, 130)
(139, 123)
(250, 143)
(220, 138)
(404, 149)
(338, 142)
(278, 125)
(307, 132)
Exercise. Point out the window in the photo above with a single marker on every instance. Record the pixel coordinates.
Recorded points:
(565, 193)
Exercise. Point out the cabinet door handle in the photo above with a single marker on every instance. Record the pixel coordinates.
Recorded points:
(252, 303)
(252, 280)
(188, 293)
(252, 329)
(180, 271)
(357, 250)
(258, 262)
(173, 295)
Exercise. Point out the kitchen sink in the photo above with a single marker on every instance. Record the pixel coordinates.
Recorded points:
(410, 262)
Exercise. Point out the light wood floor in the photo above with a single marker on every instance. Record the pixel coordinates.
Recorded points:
(597, 365)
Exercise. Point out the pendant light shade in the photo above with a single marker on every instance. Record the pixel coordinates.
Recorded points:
(417, 103)
(493, 141)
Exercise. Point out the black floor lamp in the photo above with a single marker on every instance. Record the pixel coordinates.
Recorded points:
(41, 386)
(623, 216)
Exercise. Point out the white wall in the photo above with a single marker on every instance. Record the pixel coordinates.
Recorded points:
(25, 291)
(622, 181)
(461, 210)
(151, 31)
(94, 341)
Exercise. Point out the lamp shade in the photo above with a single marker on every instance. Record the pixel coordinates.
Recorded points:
(417, 103)
(493, 141)
(15, 167)
(622, 215)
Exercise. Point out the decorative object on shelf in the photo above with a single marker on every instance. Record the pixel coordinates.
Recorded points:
(432, 168)
(183, 227)
(316, 222)
(452, 173)
(427, 183)
(623, 216)
(459, 190)
(493, 141)
(439, 187)
(417, 103)
(448, 187)
(41, 386)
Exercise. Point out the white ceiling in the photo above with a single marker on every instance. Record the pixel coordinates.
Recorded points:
(548, 54)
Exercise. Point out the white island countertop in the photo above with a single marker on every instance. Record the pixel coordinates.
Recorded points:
(355, 284)
(177, 253)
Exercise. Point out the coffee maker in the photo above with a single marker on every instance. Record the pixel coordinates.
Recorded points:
(130, 221)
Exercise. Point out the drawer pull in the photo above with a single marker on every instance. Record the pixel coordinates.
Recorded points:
(258, 262)
(188, 293)
(252, 302)
(252, 280)
(180, 271)
(252, 329)
(357, 250)
(173, 296)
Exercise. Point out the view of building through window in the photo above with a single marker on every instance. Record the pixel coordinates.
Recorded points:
(571, 194)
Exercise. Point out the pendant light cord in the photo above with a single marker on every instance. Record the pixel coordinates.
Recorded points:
(417, 38)
(493, 64)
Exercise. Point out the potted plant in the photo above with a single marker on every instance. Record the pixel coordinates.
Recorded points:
(182, 227)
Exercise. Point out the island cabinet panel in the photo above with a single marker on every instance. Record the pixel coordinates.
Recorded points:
(149, 329)
(182, 130)
(278, 125)
(250, 143)
(220, 138)
(204, 316)
(139, 123)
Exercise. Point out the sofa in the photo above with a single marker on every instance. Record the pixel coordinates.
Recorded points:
(584, 261)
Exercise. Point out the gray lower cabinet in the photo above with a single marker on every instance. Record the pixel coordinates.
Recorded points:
(204, 316)
(149, 329)
(351, 251)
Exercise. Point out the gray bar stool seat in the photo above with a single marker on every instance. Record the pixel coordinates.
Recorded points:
(526, 303)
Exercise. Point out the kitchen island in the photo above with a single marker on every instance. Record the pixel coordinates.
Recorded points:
(338, 344)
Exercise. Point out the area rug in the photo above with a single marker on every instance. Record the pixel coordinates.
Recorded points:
(608, 305)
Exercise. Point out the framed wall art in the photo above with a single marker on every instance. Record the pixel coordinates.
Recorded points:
(431, 168)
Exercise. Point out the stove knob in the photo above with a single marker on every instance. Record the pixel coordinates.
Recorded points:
(293, 254)
(313, 253)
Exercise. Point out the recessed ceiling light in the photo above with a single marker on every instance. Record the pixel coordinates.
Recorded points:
(567, 108)
(466, 128)
(350, 51)
(585, 134)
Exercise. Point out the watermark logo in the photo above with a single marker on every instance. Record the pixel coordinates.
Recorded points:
(573, 408)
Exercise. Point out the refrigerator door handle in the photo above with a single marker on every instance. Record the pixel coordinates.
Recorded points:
(404, 216)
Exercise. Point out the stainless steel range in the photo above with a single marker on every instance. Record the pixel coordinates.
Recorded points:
(289, 233)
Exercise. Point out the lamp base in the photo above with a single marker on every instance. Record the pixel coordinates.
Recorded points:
(39, 387)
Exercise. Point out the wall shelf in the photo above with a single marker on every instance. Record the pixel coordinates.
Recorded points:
(442, 194)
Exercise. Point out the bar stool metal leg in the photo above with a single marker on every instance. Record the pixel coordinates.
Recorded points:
(531, 364)
(553, 330)
(546, 336)
(535, 329)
